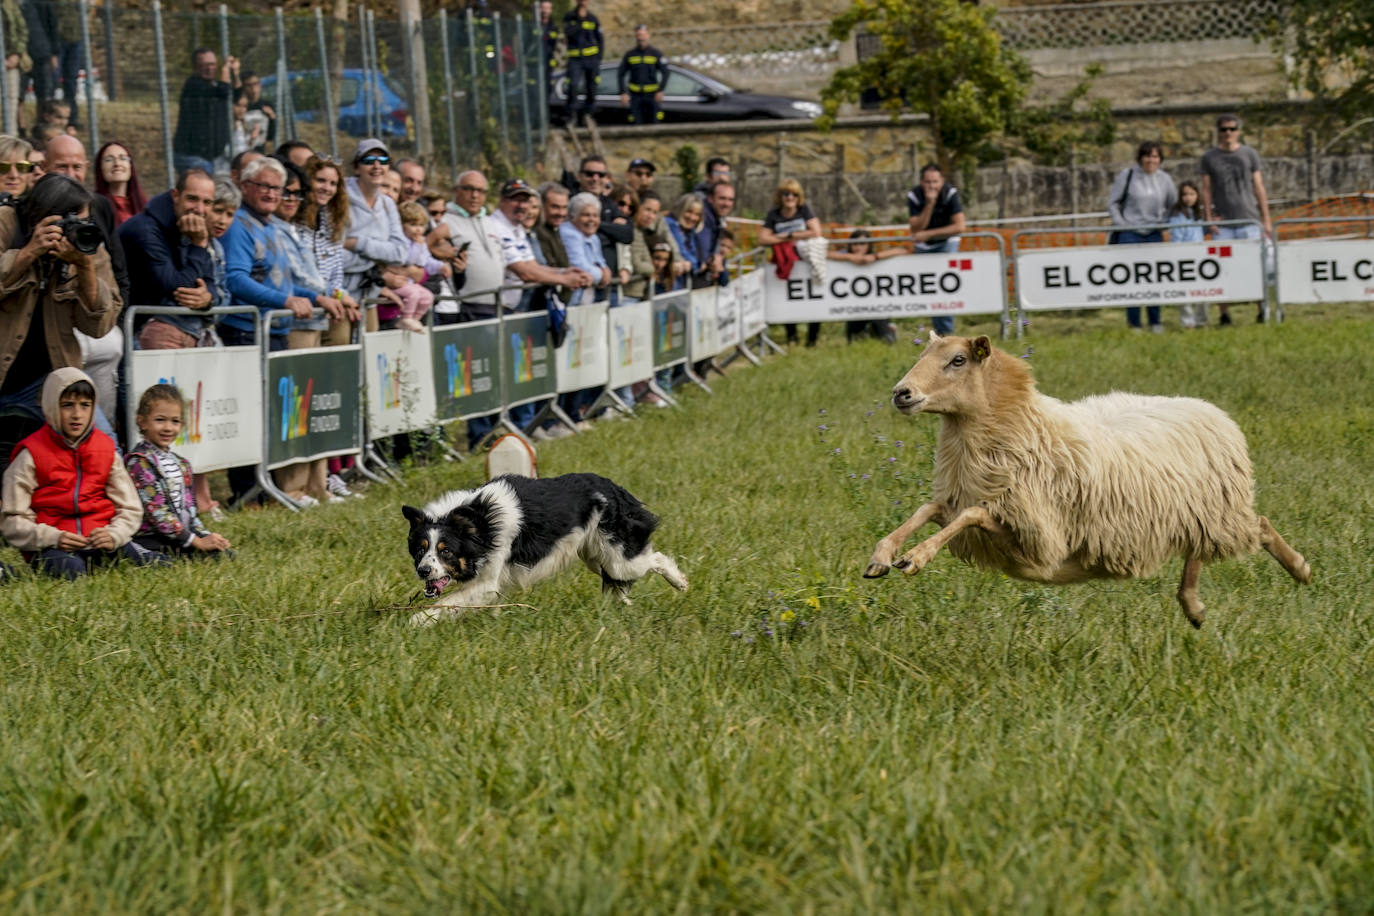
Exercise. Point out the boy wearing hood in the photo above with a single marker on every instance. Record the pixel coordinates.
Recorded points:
(66, 500)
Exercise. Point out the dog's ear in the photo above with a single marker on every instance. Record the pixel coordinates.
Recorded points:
(413, 515)
(461, 520)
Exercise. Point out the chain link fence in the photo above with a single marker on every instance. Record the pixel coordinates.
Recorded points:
(125, 70)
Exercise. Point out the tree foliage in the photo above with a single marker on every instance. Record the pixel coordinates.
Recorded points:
(1329, 45)
(1049, 131)
(940, 58)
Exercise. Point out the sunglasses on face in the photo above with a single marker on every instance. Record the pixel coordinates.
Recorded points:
(595, 174)
(293, 195)
(1227, 130)
(375, 159)
(23, 167)
(788, 194)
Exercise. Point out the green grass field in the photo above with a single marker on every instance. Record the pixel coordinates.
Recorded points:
(268, 736)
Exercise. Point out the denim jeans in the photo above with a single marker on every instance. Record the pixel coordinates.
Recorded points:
(941, 324)
(1128, 237)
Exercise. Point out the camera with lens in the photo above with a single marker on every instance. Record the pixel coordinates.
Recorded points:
(84, 234)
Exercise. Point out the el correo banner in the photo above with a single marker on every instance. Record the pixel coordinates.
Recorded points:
(221, 390)
(632, 352)
(752, 309)
(727, 317)
(958, 283)
(1152, 274)
(314, 407)
(529, 367)
(399, 382)
(703, 337)
(582, 361)
(671, 314)
(464, 359)
(1340, 270)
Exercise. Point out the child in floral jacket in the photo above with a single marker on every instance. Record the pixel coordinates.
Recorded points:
(164, 483)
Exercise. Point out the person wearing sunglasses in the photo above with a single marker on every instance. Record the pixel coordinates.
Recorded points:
(375, 236)
(1233, 189)
(15, 166)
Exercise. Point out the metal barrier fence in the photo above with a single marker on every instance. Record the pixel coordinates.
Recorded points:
(448, 88)
(252, 406)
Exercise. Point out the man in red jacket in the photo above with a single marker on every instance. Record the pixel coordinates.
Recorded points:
(66, 500)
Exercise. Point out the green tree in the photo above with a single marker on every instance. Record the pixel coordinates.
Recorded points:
(940, 58)
(1330, 48)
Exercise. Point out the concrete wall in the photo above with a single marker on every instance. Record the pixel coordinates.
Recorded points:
(862, 169)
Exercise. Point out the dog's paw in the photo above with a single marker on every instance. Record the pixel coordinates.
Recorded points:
(424, 619)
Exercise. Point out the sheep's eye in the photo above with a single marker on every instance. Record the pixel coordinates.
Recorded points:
(958, 360)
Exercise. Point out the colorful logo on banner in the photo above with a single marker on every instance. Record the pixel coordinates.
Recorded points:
(190, 413)
(668, 331)
(572, 346)
(459, 370)
(624, 344)
(388, 382)
(295, 413)
(522, 353)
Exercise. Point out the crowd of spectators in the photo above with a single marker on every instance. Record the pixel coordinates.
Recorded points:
(369, 244)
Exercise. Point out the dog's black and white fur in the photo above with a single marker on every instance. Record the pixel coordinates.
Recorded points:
(516, 531)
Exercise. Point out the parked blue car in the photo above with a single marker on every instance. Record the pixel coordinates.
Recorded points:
(307, 98)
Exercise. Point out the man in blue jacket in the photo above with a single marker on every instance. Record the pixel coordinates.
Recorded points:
(167, 247)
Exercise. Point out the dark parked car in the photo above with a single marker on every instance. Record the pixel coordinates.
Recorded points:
(687, 96)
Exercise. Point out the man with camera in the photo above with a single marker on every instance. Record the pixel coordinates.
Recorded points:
(55, 279)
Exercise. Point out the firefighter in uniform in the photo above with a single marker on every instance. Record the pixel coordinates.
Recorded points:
(582, 31)
(642, 75)
(549, 37)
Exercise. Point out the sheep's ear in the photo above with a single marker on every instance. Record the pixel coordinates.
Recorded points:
(981, 348)
(933, 336)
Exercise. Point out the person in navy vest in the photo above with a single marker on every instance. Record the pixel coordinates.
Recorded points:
(937, 221)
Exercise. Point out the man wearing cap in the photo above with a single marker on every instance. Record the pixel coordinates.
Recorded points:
(642, 75)
(518, 253)
(374, 225)
(582, 31)
(639, 175)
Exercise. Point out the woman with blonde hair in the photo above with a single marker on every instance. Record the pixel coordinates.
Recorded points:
(15, 165)
(792, 230)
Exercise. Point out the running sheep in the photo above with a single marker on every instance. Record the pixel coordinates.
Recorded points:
(1111, 486)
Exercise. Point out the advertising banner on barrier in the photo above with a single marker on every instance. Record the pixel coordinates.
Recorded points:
(1165, 273)
(1332, 270)
(752, 309)
(583, 361)
(632, 352)
(529, 369)
(702, 343)
(727, 317)
(398, 381)
(221, 390)
(314, 404)
(671, 314)
(958, 283)
(466, 379)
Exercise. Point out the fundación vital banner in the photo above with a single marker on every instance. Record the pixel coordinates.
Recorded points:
(314, 406)
(466, 379)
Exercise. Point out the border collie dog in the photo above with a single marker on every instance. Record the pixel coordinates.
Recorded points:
(516, 531)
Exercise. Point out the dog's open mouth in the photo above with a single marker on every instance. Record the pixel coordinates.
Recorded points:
(434, 586)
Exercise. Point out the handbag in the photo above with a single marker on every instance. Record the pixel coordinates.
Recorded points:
(1114, 238)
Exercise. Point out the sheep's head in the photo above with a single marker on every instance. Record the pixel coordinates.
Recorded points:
(949, 378)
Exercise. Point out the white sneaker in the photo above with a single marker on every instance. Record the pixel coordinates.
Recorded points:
(653, 399)
(307, 501)
(336, 487)
(549, 433)
(1156, 329)
(333, 498)
(584, 426)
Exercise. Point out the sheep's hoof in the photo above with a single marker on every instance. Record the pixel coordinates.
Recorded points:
(902, 563)
(876, 570)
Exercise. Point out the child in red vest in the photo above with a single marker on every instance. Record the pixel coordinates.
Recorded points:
(66, 501)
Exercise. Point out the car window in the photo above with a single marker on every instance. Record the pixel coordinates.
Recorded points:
(681, 84)
(610, 80)
(348, 91)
